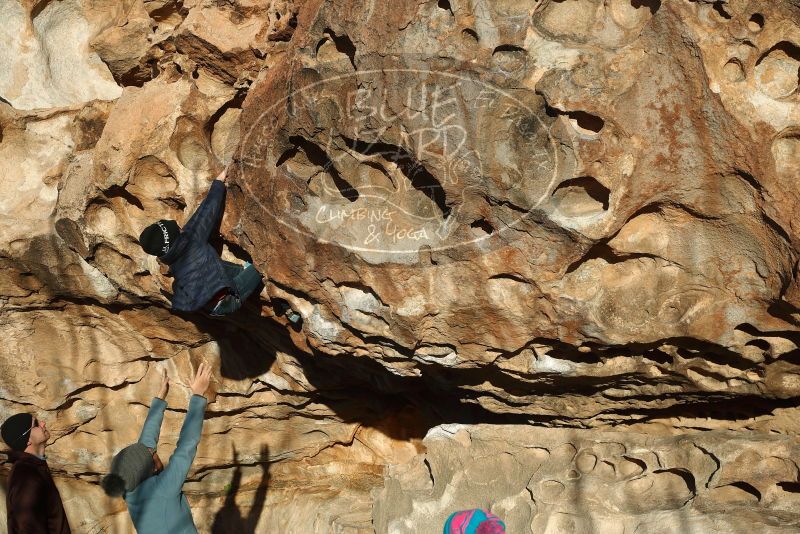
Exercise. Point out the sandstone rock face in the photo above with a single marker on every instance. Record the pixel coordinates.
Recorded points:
(592, 182)
(545, 255)
(562, 480)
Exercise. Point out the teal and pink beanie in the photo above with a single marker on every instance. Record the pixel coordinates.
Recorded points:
(474, 522)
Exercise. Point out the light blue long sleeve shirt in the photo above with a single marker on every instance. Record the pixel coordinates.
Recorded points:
(158, 504)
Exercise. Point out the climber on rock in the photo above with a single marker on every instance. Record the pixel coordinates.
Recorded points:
(33, 503)
(201, 279)
(153, 492)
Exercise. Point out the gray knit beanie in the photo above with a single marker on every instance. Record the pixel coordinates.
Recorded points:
(129, 468)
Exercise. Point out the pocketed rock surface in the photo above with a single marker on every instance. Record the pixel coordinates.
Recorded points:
(545, 254)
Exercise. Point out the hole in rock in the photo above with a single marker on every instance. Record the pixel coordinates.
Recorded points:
(586, 121)
(471, 34)
(116, 191)
(233, 103)
(749, 179)
(641, 464)
(652, 5)
(581, 196)
(508, 48)
(510, 58)
(509, 276)
(430, 470)
(690, 348)
(785, 312)
(565, 351)
(320, 43)
(169, 12)
(791, 335)
(445, 4)
(658, 356)
(421, 179)
(483, 225)
(134, 78)
(744, 486)
(285, 31)
(790, 50)
(792, 357)
(720, 9)
(760, 343)
(756, 22)
(715, 407)
(747, 328)
(288, 154)
(686, 475)
(733, 70)
(238, 251)
(789, 487)
(778, 70)
(777, 228)
(550, 111)
(434, 398)
(155, 70)
(597, 251)
(593, 188)
(343, 45)
(317, 156)
(175, 203)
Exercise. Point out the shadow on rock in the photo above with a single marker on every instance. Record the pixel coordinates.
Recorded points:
(230, 519)
(244, 338)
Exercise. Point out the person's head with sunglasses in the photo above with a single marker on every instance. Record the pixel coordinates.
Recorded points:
(33, 503)
(23, 432)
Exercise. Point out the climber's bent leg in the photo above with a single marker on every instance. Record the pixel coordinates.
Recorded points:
(232, 269)
(246, 280)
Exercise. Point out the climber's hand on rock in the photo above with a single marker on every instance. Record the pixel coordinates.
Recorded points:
(201, 379)
(162, 392)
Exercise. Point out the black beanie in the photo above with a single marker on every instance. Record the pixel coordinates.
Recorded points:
(13, 429)
(157, 238)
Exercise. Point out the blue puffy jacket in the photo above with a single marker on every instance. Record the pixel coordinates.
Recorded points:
(158, 505)
(196, 267)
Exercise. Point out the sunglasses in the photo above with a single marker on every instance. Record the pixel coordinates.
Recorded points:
(35, 424)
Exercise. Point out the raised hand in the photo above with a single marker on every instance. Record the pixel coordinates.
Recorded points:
(201, 379)
(162, 392)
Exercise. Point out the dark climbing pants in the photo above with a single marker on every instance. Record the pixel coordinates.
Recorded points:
(245, 281)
